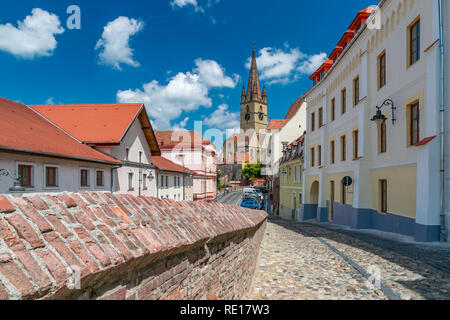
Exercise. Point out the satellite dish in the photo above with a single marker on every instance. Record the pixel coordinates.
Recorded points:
(347, 181)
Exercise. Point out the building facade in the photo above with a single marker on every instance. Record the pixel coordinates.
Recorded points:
(122, 131)
(291, 181)
(174, 181)
(189, 149)
(46, 159)
(388, 60)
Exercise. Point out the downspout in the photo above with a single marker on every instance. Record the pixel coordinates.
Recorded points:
(112, 178)
(442, 125)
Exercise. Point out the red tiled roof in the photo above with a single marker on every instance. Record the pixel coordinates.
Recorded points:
(22, 129)
(276, 124)
(92, 123)
(294, 109)
(167, 165)
(182, 138)
(295, 143)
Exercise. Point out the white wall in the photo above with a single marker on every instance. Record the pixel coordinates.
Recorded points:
(136, 142)
(68, 173)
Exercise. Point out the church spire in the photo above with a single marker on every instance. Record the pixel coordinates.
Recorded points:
(254, 88)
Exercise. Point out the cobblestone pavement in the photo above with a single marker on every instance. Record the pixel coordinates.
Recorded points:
(297, 263)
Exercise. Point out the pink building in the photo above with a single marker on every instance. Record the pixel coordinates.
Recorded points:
(191, 150)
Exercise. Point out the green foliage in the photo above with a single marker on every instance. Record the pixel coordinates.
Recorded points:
(252, 170)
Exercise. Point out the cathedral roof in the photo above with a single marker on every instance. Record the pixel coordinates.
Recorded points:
(254, 88)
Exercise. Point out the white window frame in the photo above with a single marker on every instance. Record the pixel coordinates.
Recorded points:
(88, 178)
(33, 173)
(58, 180)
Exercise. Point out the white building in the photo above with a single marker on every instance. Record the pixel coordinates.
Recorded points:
(122, 131)
(174, 181)
(189, 149)
(45, 158)
(390, 60)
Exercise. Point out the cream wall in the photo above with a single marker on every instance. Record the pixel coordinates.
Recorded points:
(290, 187)
(405, 85)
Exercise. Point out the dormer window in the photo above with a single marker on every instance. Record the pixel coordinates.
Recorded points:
(322, 74)
(314, 81)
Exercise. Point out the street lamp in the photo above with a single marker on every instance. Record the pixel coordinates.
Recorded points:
(17, 187)
(379, 118)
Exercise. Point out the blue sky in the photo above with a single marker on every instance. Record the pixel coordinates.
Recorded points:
(186, 59)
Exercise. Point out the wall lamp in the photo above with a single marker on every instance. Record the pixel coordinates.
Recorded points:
(17, 187)
(379, 118)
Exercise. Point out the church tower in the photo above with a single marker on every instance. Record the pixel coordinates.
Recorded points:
(253, 102)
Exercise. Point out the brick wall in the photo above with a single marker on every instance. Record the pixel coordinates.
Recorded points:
(123, 247)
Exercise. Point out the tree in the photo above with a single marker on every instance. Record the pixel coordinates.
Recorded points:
(252, 170)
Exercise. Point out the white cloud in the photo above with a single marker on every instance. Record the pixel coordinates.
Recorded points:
(33, 37)
(181, 125)
(184, 92)
(50, 100)
(114, 44)
(223, 119)
(284, 65)
(312, 63)
(184, 3)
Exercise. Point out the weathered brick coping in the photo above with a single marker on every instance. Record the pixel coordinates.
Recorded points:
(42, 236)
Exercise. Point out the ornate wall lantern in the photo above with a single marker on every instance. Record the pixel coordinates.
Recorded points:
(379, 118)
(17, 187)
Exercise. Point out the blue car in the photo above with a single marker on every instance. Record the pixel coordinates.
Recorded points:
(250, 204)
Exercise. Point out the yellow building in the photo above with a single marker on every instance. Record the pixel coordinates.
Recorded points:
(291, 181)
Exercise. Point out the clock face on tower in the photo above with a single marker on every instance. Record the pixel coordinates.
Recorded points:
(247, 117)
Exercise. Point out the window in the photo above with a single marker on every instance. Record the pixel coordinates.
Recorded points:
(300, 173)
(320, 117)
(51, 178)
(167, 181)
(314, 82)
(322, 74)
(127, 154)
(100, 176)
(312, 157)
(343, 101)
(300, 200)
(332, 152)
(343, 194)
(130, 181)
(319, 155)
(382, 141)
(162, 181)
(140, 156)
(84, 173)
(175, 181)
(414, 124)
(313, 121)
(333, 109)
(414, 43)
(382, 70)
(356, 91)
(355, 144)
(26, 175)
(383, 196)
(295, 173)
(343, 148)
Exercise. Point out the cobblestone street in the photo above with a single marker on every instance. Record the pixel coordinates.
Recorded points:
(303, 261)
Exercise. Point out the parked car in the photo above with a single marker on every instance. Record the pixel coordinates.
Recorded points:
(250, 204)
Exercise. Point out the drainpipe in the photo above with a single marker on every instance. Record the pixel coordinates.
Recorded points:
(442, 124)
(112, 178)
